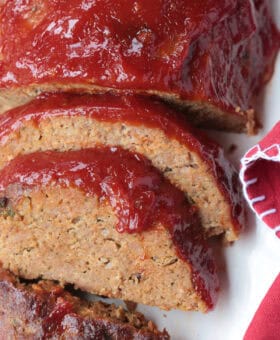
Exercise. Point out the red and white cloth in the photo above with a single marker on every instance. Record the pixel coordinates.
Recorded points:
(260, 177)
(266, 322)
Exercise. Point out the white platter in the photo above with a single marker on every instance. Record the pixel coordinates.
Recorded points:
(248, 268)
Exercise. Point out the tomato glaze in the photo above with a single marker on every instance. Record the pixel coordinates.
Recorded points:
(138, 193)
(213, 51)
(133, 110)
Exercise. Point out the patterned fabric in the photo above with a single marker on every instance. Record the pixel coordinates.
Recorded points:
(260, 176)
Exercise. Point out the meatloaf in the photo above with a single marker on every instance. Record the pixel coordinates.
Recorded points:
(44, 310)
(107, 221)
(187, 158)
(210, 57)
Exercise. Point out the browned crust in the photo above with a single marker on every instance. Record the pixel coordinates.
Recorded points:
(46, 310)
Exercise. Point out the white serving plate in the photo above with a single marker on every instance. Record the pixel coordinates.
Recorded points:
(248, 268)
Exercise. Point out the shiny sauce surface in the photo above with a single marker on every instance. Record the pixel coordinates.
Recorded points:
(203, 50)
(137, 192)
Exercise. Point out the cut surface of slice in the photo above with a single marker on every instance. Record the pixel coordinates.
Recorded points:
(107, 221)
(211, 57)
(192, 162)
(44, 310)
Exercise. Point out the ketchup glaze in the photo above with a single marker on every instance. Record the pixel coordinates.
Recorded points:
(137, 192)
(215, 51)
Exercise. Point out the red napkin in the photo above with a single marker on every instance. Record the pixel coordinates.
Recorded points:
(266, 322)
(260, 176)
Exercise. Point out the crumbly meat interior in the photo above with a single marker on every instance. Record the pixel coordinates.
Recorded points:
(62, 234)
(183, 167)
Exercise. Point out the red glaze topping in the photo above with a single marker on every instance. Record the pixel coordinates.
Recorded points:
(135, 110)
(138, 193)
(216, 51)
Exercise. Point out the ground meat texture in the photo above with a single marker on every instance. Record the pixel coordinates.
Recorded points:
(44, 310)
(68, 225)
(192, 162)
(210, 58)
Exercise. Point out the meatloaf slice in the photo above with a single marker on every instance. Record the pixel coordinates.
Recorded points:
(46, 311)
(209, 57)
(107, 221)
(187, 158)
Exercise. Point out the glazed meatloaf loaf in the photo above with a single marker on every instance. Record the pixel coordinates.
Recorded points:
(187, 158)
(45, 311)
(211, 56)
(107, 221)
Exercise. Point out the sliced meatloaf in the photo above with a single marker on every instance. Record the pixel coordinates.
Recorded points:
(107, 221)
(44, 310)
(210, 57)
(187, 158)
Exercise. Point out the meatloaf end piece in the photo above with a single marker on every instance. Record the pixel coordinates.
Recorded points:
(210, 57)
(108, 222)
(192, 162)
(44, 310)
